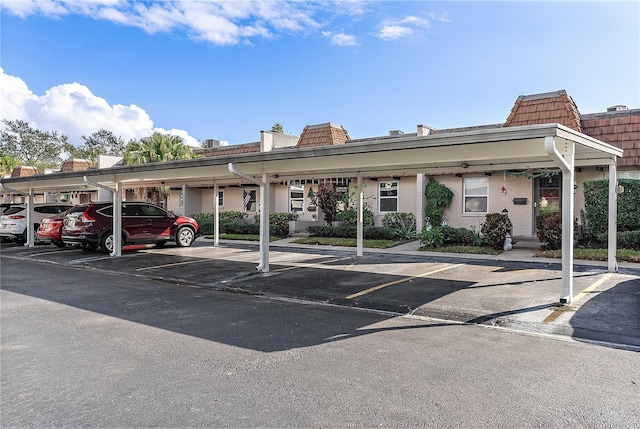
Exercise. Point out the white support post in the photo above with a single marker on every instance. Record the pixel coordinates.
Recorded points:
(264, 215)
(30, 242)
(613, 217)
(565, 161)
(264, 224)
(216, 219)
(360, 229)
(117, 221)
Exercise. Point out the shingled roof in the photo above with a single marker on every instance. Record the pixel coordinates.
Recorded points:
(230, 150)
(547, 108)
(326, 134)
(620, 128)
(24, 171)
(75, 165)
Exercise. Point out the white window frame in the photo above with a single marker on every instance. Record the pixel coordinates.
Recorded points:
(298, 189)
(474, 195)
(220, 198)
(391, 184)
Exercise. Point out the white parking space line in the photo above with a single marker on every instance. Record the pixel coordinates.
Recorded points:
(406, 279)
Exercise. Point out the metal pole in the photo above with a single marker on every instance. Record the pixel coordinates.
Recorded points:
(613, 217)
(360, 229)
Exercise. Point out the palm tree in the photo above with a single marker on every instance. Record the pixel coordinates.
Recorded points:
(156, 148)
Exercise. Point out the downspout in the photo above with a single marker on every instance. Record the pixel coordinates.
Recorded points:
(264, 216)
(117, 215)
(566, 164)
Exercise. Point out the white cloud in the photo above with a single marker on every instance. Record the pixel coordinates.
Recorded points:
(72, 109)
(341, 39)
(219, 22)
(402, 28)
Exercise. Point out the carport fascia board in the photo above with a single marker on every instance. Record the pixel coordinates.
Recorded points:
(372, 156)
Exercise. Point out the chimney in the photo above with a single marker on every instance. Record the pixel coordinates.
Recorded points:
(396, 133)
(424, 130)
(617, 108)
(211, 143)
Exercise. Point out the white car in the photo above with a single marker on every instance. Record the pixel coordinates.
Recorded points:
(13, 222)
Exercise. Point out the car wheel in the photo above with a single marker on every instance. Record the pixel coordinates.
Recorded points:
(185, 237)
(107, 242)
(58, 243)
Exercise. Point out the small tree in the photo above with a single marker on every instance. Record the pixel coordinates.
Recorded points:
(439, 197)
(328, 199)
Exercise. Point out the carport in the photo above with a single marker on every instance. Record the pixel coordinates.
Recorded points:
(512, 148)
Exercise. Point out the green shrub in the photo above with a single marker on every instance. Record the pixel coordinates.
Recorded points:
(625, 239)
(459, 236)
(404, 224)
(231, 216)
(596, 202)
(398, 220)
(431, 237)
(240, 228)
(369, 232)
(279, 223)
(205, 222)
(349, 216)
(629, 239)
(549, 230)
(438, 198)
(494, 230)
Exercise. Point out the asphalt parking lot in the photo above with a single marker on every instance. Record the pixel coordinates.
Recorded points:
(513, 294)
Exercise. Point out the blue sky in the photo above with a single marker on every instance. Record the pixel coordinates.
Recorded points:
(226, 70)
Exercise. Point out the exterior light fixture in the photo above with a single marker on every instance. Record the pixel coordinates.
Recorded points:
(505, 212)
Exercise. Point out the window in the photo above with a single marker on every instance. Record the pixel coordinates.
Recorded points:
(296, 198)
(221, 198)
(388, 200)
(475, 195)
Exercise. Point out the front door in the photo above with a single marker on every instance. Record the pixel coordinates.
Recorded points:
(548, 196)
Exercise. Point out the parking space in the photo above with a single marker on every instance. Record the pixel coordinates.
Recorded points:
(517, 294)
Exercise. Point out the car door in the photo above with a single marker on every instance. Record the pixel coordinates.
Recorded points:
(134, 223)
(158, 222)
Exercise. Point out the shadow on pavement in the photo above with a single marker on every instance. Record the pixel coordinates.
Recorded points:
(610, 316)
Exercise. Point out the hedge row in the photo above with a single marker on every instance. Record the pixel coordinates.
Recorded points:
(596, 202)
(369, 232)
(233, 223)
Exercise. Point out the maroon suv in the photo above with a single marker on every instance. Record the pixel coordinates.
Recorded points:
(90, 225)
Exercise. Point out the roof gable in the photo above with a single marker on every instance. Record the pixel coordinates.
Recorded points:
(547, 108)
(326, 134)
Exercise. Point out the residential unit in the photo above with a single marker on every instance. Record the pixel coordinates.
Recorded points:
(522, 193)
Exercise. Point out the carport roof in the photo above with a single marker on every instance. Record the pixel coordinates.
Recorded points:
(512, 148)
